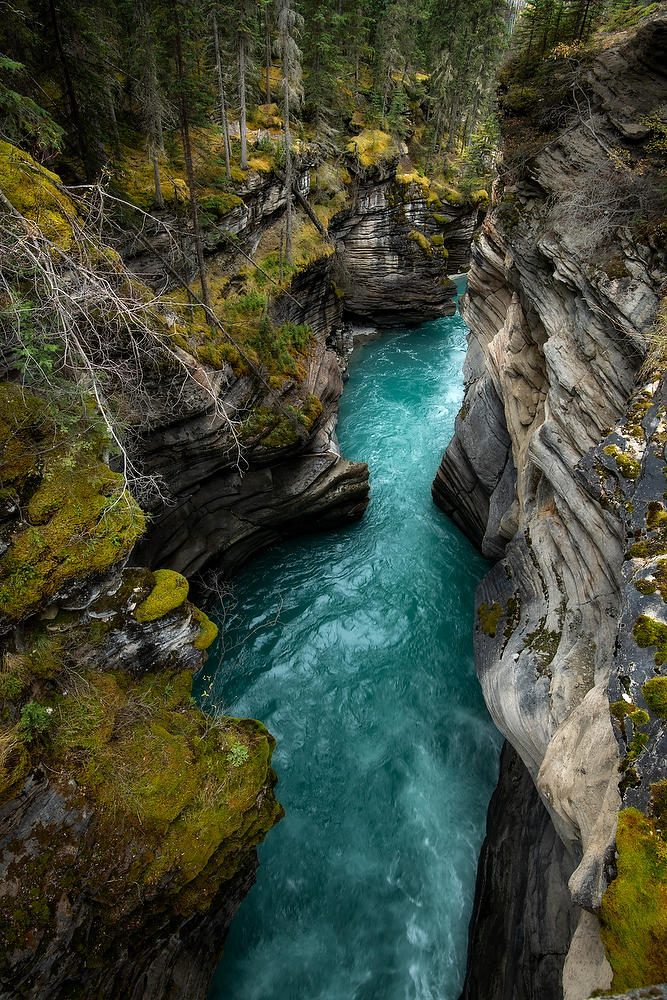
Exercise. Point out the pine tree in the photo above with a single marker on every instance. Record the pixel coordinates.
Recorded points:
(184, 95)
(243, 11)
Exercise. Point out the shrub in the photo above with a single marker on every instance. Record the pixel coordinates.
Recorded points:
(35, 720)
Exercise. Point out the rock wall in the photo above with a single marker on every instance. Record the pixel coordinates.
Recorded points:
(557, 337)
(523, 917)
(389, 275)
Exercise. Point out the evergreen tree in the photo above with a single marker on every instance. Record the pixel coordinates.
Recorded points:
(185, 19)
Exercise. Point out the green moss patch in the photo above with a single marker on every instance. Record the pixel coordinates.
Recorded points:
(655, 695)
(208, 630)
(656, 515)
(633, 914)
(169, 592)
(628, 467)
(141, 748)
(372, 147)
(78, 517)
(179, 799)
(544, 643)
(489, 617)
(275, 429)
(34, 193)
(648, 632)
(422, 241)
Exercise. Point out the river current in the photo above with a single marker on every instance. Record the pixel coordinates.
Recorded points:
(355, 649)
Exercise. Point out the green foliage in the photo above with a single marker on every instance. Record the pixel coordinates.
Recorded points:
(35, 720)
(238, 755)
(625, 15)
(23, 120)
(216, 206)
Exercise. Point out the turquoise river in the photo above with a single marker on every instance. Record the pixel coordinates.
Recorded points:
(355, 649)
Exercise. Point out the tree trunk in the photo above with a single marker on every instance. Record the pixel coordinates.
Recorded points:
(221, 94)
(267, 48)
(471, 121)
(242, 115)
(155, 159)
(437, 138)
(111, 112)
(453, 121)
(187, 155)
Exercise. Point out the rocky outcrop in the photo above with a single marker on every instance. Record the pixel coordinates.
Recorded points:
(558, 333)
(390, 269)
(129, 820)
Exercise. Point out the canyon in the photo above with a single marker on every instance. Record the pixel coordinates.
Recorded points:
(125, 850)
(123, 817)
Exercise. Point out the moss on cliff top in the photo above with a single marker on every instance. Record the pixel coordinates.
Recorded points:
(176, 802)
(133, 173)
(33, 192)
(142, 748)
(373, 147)
(248, 340)
(633, 914)
(169, 592)
(76, 516)
(146, 754)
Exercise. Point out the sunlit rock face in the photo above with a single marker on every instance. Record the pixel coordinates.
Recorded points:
(552, 471)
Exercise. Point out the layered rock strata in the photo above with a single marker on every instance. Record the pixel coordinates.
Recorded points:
(555, 474)
(390, 265)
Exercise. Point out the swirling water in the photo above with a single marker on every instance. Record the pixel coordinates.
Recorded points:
(355, 648)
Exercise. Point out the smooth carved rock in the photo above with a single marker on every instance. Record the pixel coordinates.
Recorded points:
(553, 355)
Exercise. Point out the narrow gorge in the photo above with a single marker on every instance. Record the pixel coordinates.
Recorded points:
(232, 355)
